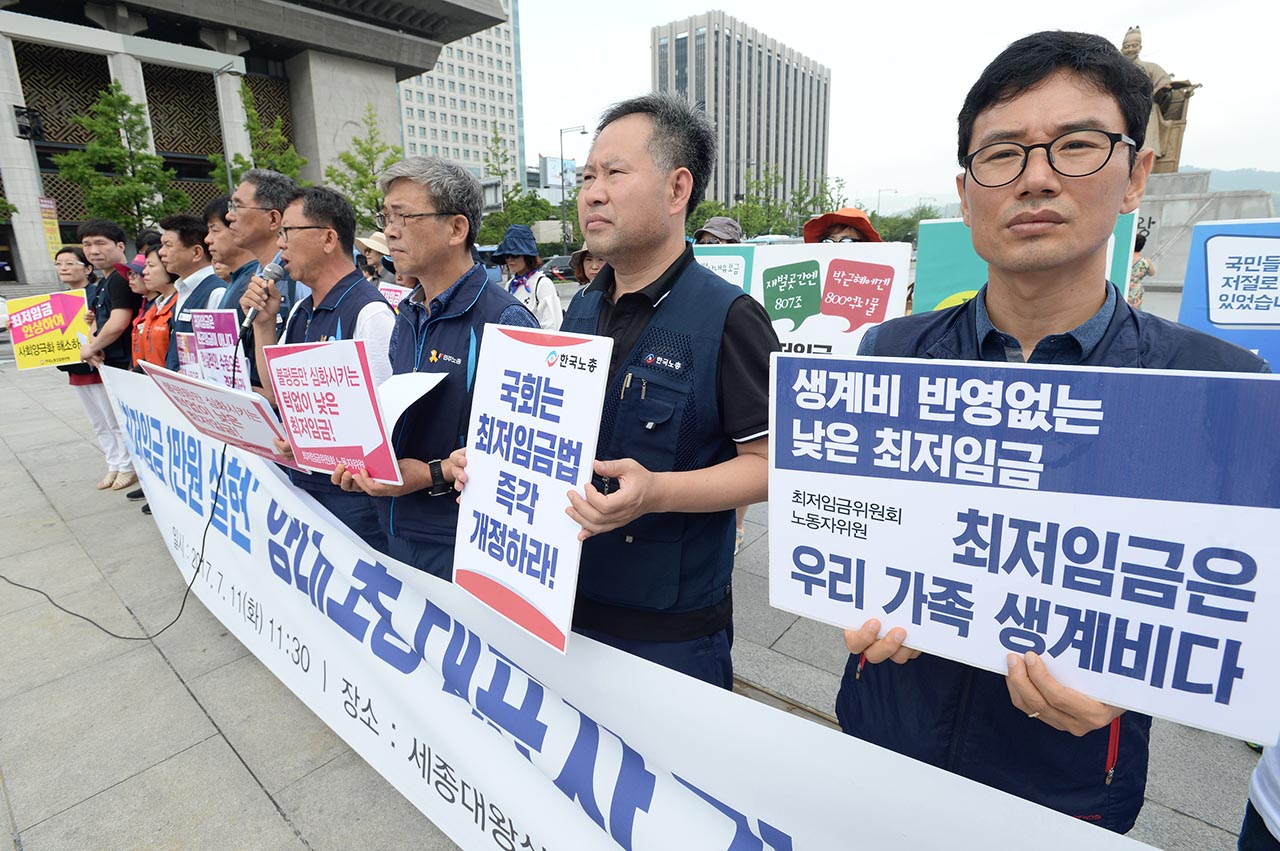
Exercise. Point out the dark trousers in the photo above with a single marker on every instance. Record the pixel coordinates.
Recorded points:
(1254, 835)
(436, 559)
(705, 658)
(356, 512)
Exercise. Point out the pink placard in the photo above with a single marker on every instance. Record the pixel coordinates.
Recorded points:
(858, 291)
(329, 405)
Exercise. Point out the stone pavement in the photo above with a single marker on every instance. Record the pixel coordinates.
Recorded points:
(186, 741)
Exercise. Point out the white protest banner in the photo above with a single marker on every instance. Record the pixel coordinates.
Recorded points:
(822, 297)
(593, 749)
(329, 407)
(243, 420)
(535, 417)
(1120, 522)
(188, 355)
(218, 352)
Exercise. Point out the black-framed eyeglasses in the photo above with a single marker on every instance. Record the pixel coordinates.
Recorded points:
(1079, 153)
(841, 239)
(398, 219)
(283, 233)
(233, 207)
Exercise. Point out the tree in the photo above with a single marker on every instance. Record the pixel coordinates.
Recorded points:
(269, 148)
(7, 209)
(904, 227)
(356, 172)
(762, 209)
(121, 180)
(520, 209)
(497, 163)
(707, 208)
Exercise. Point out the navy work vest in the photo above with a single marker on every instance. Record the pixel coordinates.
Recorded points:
(197, 299)
(333, 319)
(961, 718)
(120, 353)
(437, 424)
(661, 409)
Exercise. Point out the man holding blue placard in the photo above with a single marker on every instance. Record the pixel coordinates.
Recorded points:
(1051, 142)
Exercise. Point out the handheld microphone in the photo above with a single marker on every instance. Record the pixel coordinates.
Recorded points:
(272, 272)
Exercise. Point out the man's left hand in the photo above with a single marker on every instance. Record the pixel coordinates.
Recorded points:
(416, 475)
(1033, 690)
(635, 496)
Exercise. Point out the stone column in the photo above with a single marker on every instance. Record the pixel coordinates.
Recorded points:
(327, 94)
(22, 184)
(235, 135)
(127, 71)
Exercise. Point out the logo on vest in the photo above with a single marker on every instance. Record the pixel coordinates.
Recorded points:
(652, 359)
(552, 357)
(437, 356)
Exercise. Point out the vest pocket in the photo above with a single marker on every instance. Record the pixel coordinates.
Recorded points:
(637, 566)
(647, 427)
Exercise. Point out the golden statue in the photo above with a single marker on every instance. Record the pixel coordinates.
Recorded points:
(1168, 119)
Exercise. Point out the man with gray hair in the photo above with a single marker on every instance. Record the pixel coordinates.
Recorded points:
(430, 216)
(254, 215)
(683, 438)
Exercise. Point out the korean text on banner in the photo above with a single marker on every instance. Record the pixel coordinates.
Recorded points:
(394, 294)
(329, 406)
(535, 417)
(1232, 288)
(995, 508)
(504, 742)
(188, 355)
(218, 352)
(48, 330)
(243, 420)
(821, 297)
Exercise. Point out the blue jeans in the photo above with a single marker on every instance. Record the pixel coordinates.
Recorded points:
(705, 658)
(436, 559)
(1254, 835)
(356, 512)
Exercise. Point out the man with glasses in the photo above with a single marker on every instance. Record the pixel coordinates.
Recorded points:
(1051, 143)
(254, 215)
(845, 225)
(316, 237)
(430, 216)
(718, 230)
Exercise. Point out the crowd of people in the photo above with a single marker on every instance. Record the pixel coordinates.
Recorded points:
(673, 464)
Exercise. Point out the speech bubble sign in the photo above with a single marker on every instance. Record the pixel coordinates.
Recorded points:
(1243, 277)
(857, 291)
(793, 291)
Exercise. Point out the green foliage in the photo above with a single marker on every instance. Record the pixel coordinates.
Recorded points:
(121, 180)
(904, 227)
(356, 172)
(497, 163)
(520, 209)
(269, 147)
(7, 209)
(763, 209)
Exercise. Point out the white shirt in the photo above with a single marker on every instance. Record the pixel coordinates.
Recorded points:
(374, 324)
(539, 294)
(190, 282)
(1264, 789)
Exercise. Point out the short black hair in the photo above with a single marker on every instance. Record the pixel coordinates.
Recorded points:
(271, 189)
(1024, 64)
(147, 239)
(191, 230)
(328, 207)
(101, 227)
(216, 209)
(1140, 242)
(682, 137)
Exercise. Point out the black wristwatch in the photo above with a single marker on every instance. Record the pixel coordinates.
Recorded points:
(439, 487)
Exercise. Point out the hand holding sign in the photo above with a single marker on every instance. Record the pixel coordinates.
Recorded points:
(1034, 690)
(635, 497)
(874, 649)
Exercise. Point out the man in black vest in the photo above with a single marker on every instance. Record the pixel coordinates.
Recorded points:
(317, 235)
(1051, 152)
(683, 437)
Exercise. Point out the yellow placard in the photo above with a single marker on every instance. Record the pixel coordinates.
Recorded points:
(48, 330)
(52, 236)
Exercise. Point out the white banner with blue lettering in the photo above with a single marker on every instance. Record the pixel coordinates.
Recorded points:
(1119, 522)
(501, 740)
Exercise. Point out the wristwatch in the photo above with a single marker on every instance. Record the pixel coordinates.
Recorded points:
(439, 487)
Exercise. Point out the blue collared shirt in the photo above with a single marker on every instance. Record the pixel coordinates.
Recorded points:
(1070, 348)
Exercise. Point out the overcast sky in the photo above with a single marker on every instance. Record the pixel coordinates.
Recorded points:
(899, 72)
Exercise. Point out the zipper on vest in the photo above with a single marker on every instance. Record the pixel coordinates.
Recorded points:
(644, 385)
(961, 722)
(1113, 749)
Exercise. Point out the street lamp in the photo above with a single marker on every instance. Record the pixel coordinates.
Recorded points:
(880, 192)
(564, 225)
(228, 69)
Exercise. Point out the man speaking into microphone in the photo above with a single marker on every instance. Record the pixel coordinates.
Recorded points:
(316, 238)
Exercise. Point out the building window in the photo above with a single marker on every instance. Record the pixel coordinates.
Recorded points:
(408, 112)
(420, 97)
(413, 147)
(408, 95)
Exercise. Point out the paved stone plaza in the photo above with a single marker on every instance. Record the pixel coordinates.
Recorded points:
(186, 741)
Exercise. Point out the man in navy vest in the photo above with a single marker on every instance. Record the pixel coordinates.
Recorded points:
(683, 436)
(223, 249)
(317, 235)
(430, 216)
(186, 257)
(1051, 146)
